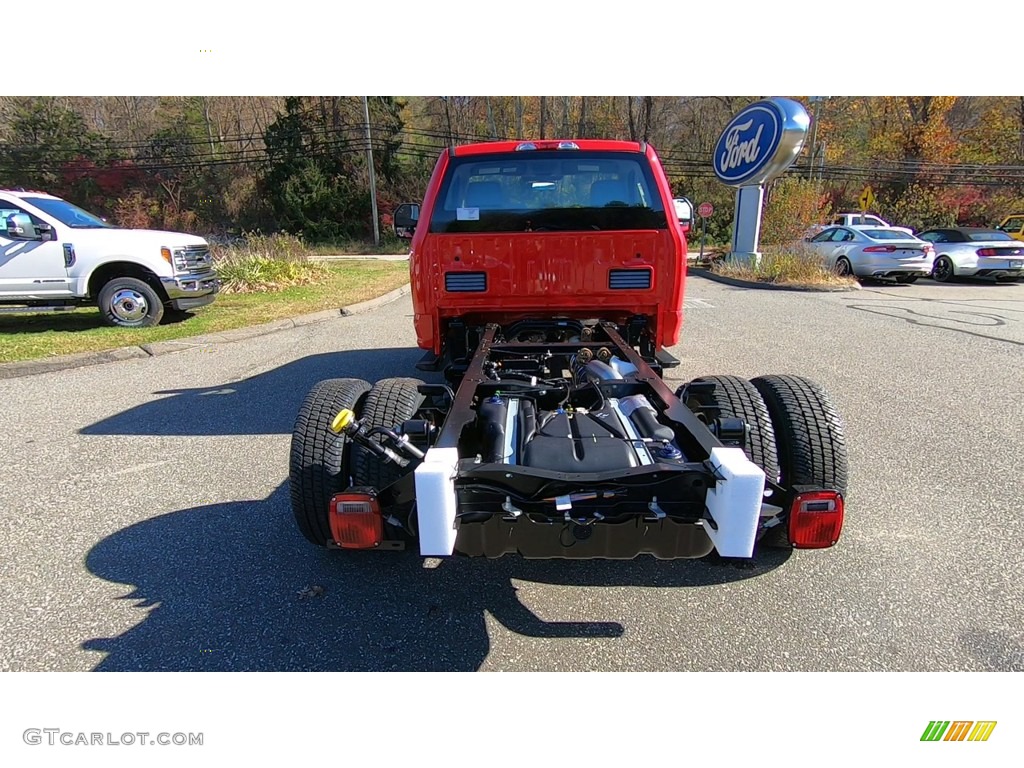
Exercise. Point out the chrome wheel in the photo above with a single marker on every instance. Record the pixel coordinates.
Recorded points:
(129, 306)
(128, 302)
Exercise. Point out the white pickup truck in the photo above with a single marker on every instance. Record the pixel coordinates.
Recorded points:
(54, 256)
(863, 220)
(856, 220)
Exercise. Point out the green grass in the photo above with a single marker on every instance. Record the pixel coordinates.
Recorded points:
(783, 266)
(389, 244)
(29, 337)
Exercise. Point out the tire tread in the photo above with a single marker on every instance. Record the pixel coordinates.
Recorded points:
(811, 439)
(738, 398)
(389, 403)
(318, 460)
(810, 432)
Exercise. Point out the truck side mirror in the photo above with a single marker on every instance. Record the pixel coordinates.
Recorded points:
(20, 227)
(406, 217)
(684, 213)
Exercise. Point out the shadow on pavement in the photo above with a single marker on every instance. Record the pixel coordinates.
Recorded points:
(259, 405)
(235, 587)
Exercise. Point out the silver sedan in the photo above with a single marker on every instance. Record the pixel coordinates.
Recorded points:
(874, 252)
(975, 252)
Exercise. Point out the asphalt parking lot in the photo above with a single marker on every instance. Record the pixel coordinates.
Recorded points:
(146, 521)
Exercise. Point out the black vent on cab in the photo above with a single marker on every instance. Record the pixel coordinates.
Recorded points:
(465, 282)
(629, 279)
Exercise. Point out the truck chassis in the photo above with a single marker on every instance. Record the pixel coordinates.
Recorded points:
(559, 438)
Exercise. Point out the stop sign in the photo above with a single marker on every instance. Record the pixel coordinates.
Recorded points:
(704, 210)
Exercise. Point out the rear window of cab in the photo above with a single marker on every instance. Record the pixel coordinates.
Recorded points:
(542, 191)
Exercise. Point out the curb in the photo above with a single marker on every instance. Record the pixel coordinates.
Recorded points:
(160, 348)
(735, 281)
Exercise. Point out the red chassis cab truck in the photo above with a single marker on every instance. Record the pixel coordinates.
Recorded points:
(547, 287)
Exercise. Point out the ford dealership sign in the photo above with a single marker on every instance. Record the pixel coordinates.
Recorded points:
(761, 142)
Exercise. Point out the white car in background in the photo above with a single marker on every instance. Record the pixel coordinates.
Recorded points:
(874, 252)
(975, 252)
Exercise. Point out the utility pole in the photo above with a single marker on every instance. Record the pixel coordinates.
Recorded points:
(448, 116)
(373, 176)
(816, 101)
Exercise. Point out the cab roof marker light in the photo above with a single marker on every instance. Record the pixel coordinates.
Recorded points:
(525, 145)
(568, 145)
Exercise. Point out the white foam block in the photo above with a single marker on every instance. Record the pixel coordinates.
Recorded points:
(435, 501)
(735, 502)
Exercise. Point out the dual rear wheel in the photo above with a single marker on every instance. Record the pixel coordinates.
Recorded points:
(322, 464)
(795, 433)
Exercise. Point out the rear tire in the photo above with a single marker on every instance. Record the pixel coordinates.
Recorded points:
(390, 403)
(811, 439)
(319, 459)
(843, 267)
(943, 270)
(739, 398)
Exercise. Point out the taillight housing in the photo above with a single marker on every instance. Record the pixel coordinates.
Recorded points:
(928, 250)
(815, 519)
(880, 249)
(356, 521)
(986, 251)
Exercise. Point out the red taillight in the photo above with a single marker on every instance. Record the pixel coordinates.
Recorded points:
(356, 522)
(928, 249)
(880, 249)
(815, 519)
(986, 251)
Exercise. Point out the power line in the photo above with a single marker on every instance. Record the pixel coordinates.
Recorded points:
(421, 144)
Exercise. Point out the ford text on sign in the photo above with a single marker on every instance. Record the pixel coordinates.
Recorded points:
(748, 144)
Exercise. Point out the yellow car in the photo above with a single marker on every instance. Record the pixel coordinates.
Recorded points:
(1013, 225)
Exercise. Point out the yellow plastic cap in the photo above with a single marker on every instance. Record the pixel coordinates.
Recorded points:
(342, 420)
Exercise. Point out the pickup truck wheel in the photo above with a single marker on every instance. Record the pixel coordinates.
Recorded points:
(390, 402)
(319, 463)
(811, 439)
(738, 398)
(128, 302)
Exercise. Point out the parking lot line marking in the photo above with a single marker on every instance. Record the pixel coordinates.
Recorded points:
(697, 304)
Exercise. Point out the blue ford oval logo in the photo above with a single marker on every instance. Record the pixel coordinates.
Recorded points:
(748, 144)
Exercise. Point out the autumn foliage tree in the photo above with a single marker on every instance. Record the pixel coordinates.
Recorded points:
(210, 164)
(792, 206)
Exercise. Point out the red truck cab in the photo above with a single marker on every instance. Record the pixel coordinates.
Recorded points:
(520, 230)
